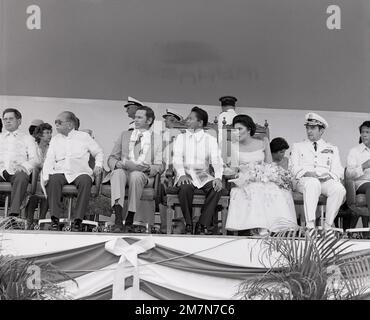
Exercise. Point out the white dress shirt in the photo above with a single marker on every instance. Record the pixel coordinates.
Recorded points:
(17, 148)
(356, 157)
(228, 115)
(325, 160)
(70, 155)
(192, 155)
(145, 144)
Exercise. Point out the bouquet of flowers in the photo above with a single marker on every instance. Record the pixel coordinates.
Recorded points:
(263, 172)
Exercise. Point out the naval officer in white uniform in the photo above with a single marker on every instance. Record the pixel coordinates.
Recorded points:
(316, 165)
(131, 107)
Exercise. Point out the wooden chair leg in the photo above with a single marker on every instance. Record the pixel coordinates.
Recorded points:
(322, 213)
(70, 210)
(169, 218)
(224, 218)
(6, 207)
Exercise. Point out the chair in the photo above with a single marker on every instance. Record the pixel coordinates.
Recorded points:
(356, 202)
(69, 191)
(151, 193)
(171, 199)
(6, 188)
(298, 200)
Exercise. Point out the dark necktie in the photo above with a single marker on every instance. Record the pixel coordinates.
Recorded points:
(315, 145)
(137, 147)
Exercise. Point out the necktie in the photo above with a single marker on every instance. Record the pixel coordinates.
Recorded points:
(137, 147)
(315, 145)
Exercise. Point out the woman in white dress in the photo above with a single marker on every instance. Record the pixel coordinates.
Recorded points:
(257, 202)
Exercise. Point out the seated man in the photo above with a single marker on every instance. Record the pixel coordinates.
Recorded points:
(18, 156)
(317, 168)
(358, 167)
(193, 153)
(136, 156)
(67, 161)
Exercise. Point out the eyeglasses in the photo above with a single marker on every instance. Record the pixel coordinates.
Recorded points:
(59, 122)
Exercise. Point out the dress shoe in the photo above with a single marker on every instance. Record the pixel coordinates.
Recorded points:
(129, 229)
(54, 224)
(189, 229)
(76, 226)
(118, 228)
(202, 230)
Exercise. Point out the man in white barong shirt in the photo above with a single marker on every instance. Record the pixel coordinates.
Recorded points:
(193, 153)
(67, 162)
(18, 157)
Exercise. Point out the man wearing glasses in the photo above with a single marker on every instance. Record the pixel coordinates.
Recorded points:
(18, 156)
(67, 162)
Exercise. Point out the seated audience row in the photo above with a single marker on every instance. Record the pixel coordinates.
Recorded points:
(263, 178)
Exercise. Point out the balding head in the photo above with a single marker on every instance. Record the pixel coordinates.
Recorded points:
(66, 122)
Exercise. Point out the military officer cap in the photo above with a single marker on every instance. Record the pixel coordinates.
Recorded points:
(170, 112)
(133, 102)
(228, 101)
(313, 119)
(36, 122)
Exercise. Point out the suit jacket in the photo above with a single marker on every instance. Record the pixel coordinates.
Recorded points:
(121, 150)
(326, 159)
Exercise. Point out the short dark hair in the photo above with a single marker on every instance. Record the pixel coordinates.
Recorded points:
(77, 125)
(246, 121)
(31, 129)
(39, 131)
(201, 115)
(1, 125)
(148, 112)
(17, 114)
(278, 144)
(364, 124)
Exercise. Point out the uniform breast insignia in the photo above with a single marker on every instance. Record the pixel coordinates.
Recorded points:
(327, 151)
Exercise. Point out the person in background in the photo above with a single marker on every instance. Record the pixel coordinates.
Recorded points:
(278, 148)
(317, 168)
(228, 113)
(18, 157)
(136, 157)
(67, 161)
(42, 134)
(34, 124)
(172, 118)
(193, 153)
(358, 167)
(131, 107)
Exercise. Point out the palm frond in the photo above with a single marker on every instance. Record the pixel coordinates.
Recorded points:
(301, 267)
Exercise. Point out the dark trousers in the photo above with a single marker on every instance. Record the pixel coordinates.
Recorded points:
(19, 183)
(186, 195)
(55, 199)
(32, 206)
(365, 189)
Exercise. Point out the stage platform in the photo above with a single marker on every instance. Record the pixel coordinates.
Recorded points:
(174, 267)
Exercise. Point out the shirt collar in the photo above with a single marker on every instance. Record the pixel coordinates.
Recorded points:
(14, 133)
(136, 133)
(318, 142)
(363, 147)
(197, 135)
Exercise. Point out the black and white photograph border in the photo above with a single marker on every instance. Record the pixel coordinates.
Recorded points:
(184, 150)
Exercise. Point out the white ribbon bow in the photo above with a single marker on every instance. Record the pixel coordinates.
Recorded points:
(128, 260)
